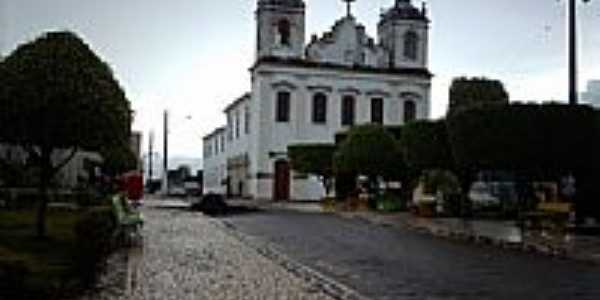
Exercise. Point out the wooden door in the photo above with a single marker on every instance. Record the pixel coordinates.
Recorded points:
(281, 189)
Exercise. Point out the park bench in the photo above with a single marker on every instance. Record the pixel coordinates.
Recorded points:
(549, 215)
(128, 221)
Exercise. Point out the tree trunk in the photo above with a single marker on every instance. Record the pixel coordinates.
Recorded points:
(45, 172)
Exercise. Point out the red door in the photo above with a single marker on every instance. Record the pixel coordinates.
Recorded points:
(281, 190)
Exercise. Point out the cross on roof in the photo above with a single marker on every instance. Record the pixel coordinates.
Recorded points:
(349, 6)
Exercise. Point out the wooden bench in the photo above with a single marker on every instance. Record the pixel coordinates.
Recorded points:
(128, 221)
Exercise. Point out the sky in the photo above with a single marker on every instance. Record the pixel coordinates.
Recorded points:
(192, 56)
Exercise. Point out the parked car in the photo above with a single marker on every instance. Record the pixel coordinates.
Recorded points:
(177, 191)
(481, 195)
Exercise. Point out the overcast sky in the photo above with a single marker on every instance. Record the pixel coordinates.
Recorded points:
(192, 56)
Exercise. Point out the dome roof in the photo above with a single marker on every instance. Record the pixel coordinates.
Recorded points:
(289, 3)
(404, 10)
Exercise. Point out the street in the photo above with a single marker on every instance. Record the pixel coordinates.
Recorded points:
(385, 263)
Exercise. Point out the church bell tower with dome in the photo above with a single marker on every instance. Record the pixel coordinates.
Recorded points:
(403, 32)
(280, 28)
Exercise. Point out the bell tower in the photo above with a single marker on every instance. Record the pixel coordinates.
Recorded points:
(403, 31)
(280, 28)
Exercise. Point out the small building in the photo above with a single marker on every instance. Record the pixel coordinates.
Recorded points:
(592, 94)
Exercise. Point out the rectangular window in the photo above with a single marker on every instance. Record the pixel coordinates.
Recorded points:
(229, 127)
(377, 111)
(348, 111)
(320, 109)
(283, 107)
(223, 143)
(247, 120)
(237, 124)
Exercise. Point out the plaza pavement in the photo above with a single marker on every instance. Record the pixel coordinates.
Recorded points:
(186, 255)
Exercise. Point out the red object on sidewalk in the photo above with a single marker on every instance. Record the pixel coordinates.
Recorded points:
(134, 185)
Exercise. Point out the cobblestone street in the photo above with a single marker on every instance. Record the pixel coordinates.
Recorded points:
(393, 263)
(189, 256)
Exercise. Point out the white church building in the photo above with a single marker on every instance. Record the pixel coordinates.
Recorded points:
(307, 93)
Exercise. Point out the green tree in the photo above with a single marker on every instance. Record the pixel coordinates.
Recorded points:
(425, 146)
(468, 92)
(117, 160)
(57, 96)
(533, 141)
(314, 159)
(371, 151)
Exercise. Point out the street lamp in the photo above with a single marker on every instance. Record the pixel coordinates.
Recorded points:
(572, 28)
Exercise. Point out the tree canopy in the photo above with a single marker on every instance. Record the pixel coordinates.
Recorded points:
(57, 94)
(468, 92)
(425, 145)
(537, 139)
(369, 150)
(314, 159)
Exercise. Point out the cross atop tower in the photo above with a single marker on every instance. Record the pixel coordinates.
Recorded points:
(349, 6)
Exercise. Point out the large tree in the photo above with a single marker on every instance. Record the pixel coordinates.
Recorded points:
(477, 91)
(534, 141)
(314, 159)
(372, 151)
(58, 97)
(425, 146)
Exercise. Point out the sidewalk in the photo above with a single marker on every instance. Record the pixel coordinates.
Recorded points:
(188, 256)
(504, 234)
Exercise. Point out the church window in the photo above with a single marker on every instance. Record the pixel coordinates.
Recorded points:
(222, 143)
(377, 111)
(284, 30)
(283, 107)
(348, 106)
(229, 127)
(411, 40)
(237, 124)
(320, 108)
(410, 111)
(247, 120)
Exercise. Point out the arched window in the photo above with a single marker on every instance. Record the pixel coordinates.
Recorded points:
(319, 112)
(348, 104)
(282, 112)
(284, 30)
(411, 45)
(410, 111)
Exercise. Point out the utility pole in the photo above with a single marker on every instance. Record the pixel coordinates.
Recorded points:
(165, 185)
(572, 31)
(150, 156)
(572, 24)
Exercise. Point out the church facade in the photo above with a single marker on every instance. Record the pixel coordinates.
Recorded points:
(308, 93)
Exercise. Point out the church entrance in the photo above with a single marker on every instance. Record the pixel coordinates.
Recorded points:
(281, 188)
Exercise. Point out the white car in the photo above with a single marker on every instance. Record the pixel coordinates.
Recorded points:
(481, 195)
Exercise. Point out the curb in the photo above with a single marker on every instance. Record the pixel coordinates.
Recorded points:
(328, 286)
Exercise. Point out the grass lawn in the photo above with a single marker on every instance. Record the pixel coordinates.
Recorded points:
(48, 260)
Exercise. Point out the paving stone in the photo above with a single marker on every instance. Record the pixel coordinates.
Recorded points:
(189, 256)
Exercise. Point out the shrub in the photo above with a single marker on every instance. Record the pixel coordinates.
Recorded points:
(94, 235)
(389, 203)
